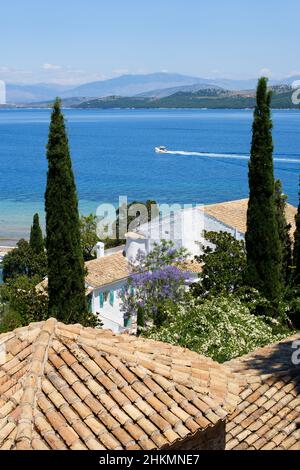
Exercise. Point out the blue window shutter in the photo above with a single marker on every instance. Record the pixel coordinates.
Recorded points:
(101, 299)
(111, 298)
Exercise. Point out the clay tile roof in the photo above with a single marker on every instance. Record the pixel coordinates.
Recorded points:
(268, 415)
(106, 270)
(234, 214)
(100, 272)
(69, 387)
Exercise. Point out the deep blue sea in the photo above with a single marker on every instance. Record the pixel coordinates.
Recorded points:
(113, 154)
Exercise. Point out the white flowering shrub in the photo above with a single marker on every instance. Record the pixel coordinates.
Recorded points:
(222, 328)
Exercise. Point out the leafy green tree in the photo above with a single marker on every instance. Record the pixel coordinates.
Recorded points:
(66, 285)
(22, 303)
(9, 320)
(36, 237)
(30, 304)
(17, 261)
(284, 230)
(88, 236)
(263, 246)
(23, 260)
(224, 264)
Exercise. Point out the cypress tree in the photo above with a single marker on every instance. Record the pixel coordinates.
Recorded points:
(263, 246)
(66, 286)
(36, 236)
(296, 252)
(284, 231)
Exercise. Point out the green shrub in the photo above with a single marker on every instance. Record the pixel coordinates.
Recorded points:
(222, 328)
(10, 320)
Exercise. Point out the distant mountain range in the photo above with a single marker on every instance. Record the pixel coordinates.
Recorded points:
(163, 92)
(184, 97)
(211, 98)
(130, 85)
(152, 85)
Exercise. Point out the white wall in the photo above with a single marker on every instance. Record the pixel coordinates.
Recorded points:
(192, 229)
(185, 229)
(133, 246)
(213, 225)
(111, 316)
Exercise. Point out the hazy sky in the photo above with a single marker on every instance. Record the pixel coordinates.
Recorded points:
(72, 41)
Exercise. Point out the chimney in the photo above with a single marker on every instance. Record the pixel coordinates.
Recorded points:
(100, 249)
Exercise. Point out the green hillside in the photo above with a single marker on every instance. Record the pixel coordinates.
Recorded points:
(213, 99)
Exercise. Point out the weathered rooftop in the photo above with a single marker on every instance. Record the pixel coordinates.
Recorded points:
(107, 270)
(69, 387)
(234, 214)
(268, 416)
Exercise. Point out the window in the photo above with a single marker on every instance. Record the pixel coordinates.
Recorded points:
(111, 297)
(101, 299)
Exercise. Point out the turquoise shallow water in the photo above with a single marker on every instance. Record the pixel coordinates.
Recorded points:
(113, 155)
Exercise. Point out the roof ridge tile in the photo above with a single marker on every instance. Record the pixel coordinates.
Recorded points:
(32, 384)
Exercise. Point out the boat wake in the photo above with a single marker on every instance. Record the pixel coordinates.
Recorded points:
(225, 155)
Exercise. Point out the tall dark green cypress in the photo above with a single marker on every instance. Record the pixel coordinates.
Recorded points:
(284, 230)
(36, 236)
(262, 239)
(66, 286)
(296, 252)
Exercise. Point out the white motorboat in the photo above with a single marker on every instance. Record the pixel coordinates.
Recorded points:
(161, 149)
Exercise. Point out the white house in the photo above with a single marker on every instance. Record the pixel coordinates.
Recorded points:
(108, 274)
(106, 279)
(186, 227)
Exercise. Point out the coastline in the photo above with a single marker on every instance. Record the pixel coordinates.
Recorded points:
(5, 249)
(145, 108)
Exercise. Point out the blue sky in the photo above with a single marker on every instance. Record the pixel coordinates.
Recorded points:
(73, 41)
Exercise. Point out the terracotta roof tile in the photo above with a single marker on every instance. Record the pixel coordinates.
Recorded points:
(107, 270)
(100, 272)
(67, 387)
(266, 417)
(234, 214)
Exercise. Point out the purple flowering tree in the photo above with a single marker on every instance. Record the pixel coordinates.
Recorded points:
(157, 280)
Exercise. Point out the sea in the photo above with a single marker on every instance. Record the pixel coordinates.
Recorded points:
(113, 155)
